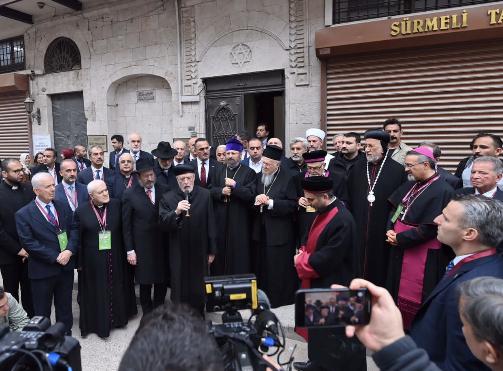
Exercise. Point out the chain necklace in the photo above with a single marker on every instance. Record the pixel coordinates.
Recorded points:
(270, 187)
(226, 198)
(371, 196)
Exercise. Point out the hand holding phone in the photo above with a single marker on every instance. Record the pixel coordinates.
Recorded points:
(385, 325)
(335, 307)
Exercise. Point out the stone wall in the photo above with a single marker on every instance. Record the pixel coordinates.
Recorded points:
(130, 46)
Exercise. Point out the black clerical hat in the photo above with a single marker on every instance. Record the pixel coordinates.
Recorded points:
(183, 169)
(164, 151)
(317, 184)
(144, 165)
(380, 135)
(314, 156)
(273, 152)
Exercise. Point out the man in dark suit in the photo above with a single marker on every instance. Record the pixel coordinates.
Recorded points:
(254, 160)
(136, 151)
(124, 176)
(118, 146)
(180, 147)
(163, 166)
(205, 167)
(471, 226)
(485, 174)
(69, 191)
(143, 237)
(451, 179)
(96, 171)
(13, 257)
(80, 157)
(50, 165)
(191, 156)
(43, 226)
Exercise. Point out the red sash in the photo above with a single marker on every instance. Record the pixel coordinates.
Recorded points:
(304, 270)
(410, 291)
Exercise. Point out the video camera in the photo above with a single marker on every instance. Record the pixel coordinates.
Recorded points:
(243, 344)
(39, 346)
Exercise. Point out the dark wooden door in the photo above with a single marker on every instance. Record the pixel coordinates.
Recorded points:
(224, 118)
(69, 120)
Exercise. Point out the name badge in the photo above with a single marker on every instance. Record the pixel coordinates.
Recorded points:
(105, 240)
(63, 241)
(397, 213)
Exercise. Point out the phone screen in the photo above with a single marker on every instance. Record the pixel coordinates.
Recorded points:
(332, 307)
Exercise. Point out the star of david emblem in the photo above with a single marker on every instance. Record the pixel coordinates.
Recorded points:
(241, 54)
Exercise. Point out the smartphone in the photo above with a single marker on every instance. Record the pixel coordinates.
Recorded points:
(320, 308)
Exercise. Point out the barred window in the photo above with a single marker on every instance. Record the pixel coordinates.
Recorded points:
(357, 10)
(62, 55)
(12, 55)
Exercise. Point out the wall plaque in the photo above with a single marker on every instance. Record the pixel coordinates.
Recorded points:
(145, 96)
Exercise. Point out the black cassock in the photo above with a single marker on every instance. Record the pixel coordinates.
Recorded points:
(306, 216)
(274, 239)
(191, 240)
(426, 207)
(143, 234)
(233, 220)
(120, 183)
(107, 297)
(371, 221)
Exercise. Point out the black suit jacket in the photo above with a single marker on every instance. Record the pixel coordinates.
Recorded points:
(168, 179)
(143, 233)
(112, 160)
(11, 201)
(213, 166)
(86, 176)
(437, 327)
(82, 194)
(144, 156)
(40, 239)
(43, 168)
(470, 191)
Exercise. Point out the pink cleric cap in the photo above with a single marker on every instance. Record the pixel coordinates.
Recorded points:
(426, 151)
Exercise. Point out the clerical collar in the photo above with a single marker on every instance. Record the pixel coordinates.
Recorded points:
(427, 179)
(14, 187)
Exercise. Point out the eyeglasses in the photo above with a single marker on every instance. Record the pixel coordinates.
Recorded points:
(409, 166)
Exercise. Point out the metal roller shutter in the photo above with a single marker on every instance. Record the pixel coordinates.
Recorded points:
(442, 94)
(14, 131)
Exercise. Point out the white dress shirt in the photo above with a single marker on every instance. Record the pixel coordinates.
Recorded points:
(255, 166)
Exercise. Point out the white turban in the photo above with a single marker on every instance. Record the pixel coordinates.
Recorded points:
(316, 132)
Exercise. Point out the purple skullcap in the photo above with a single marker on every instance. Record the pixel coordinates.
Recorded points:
(426, 151)
(233, 145)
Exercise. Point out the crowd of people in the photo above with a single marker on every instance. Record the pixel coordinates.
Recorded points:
(375, 208)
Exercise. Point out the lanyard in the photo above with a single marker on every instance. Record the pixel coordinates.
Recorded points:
(74, 202)
(46, 215)
(479, 255)
(101, 221)
(129, 182)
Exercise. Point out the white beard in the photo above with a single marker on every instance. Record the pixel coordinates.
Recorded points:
(411, 177)
(267, 179)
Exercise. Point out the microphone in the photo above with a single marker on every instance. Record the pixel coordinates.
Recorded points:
(187, 215)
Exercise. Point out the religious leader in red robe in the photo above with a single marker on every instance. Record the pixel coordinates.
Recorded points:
(329, 256)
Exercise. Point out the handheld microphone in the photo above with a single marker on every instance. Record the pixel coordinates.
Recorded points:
(187, 215)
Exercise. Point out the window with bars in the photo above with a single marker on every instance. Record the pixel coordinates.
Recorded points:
(12, 55)
(357, 10)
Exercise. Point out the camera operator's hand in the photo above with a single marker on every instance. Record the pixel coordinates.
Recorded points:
(385, 326)
(273, 363)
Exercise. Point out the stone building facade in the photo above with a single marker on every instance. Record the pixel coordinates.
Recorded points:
(145, 64)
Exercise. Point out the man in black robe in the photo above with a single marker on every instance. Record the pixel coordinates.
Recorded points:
(315, 166)
(273, 229)
(143, 237)
(107, 298)
(417, 259)
(187, 213)
(328, 257)
(125, 177)
(13, 257)
(164, 165)
(233, 191)
(370, 184)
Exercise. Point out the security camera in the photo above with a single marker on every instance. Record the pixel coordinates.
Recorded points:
(40, 4)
